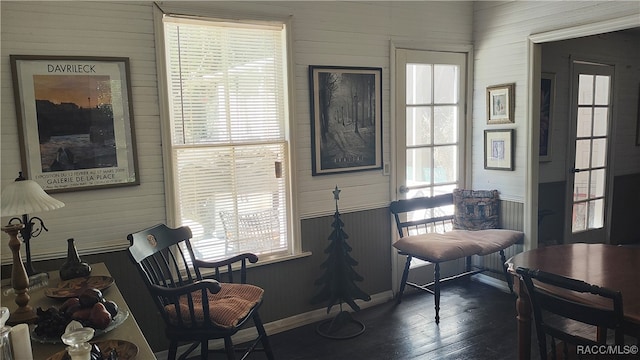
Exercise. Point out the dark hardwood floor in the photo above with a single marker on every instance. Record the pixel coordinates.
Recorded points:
(477, 321)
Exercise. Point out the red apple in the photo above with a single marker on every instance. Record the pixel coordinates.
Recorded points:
(70, 302)
(81, 314)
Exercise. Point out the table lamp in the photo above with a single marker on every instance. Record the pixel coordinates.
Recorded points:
(18, 199)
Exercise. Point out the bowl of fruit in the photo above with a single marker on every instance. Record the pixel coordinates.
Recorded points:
(91, 309)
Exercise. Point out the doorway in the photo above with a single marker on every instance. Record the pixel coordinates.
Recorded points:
(544, 189)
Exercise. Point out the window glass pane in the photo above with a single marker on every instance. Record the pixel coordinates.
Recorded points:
(579, 222)
(222, 82)
(599, 152)
(602, 90)
(220, 186)
(583, 152)
(418, 125)
(585, 90)
(584, 122)
(600, 121)
(445, 84)
(597, 183)
(445, 124)
(596, 214)
(419, 84)
(445, 169)
(581, 186)
(419, 166)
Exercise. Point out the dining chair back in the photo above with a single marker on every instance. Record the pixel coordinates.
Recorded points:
(196, 304)
(553, 312)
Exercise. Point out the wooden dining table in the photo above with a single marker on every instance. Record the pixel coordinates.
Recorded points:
(128, 330)
(610, 266)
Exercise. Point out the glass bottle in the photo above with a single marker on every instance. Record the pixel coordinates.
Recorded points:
(73, 267)
(5, 342)
(78, 341)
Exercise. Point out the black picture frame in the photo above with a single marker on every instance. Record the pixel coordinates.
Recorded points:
(638, 120)
(75, 121)
(547, 100)
(498, 149)
(346, 119)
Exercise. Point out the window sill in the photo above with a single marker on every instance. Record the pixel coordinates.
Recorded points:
(261, 262)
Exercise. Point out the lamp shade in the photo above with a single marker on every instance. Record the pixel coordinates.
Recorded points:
(26, 197)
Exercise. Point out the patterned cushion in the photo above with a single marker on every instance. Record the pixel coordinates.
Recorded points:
(226, 308)
(475, 209)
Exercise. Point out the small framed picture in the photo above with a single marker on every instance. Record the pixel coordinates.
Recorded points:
(500, 104)
(498, 149)
(547, 94)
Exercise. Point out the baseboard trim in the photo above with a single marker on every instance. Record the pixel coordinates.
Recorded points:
(491, 281)
(285, 324)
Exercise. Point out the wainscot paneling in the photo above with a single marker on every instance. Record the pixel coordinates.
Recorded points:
(288, 285)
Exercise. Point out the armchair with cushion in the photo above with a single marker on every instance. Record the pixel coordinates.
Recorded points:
(196, 309)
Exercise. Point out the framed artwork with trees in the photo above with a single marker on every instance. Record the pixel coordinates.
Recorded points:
(346, 119)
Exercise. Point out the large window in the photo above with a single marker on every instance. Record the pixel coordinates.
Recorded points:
(227, 95)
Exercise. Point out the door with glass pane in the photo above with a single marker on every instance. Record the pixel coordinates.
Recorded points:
(430, 112)
(589, 161)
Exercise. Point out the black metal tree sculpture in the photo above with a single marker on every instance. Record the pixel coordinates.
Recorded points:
(338, 284)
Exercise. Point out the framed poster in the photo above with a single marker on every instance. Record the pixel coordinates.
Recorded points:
(346, 119)
(638, 121)
(500, 104)
(547, 94)
(75, 120)
(498, 149)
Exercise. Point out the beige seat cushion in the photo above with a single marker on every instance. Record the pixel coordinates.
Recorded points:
(226, 308)
(434, 247)
(490, 240)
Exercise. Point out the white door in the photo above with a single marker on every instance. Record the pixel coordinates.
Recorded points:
(430, 117)
(588, 154)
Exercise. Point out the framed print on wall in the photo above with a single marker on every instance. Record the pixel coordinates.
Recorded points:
(346, 119)
(500, 104)
(547, 94)
(498, 149)
(75, 120)
(638, 121)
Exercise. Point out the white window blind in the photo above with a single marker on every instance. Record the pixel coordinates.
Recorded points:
(228, 112)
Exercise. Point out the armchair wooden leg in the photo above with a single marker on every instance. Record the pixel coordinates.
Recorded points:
(204, 349)
(403, 282)
(228, 347)
(173, 349)
(436, 290)
(263, 336)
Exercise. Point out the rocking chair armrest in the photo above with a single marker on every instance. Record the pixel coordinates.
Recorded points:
(212, 285)
(253, 258)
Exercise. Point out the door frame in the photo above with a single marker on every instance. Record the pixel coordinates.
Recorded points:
(468, 121)
(534, 50)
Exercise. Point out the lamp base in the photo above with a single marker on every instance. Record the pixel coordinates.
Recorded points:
(21, 316)
(19, 280)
